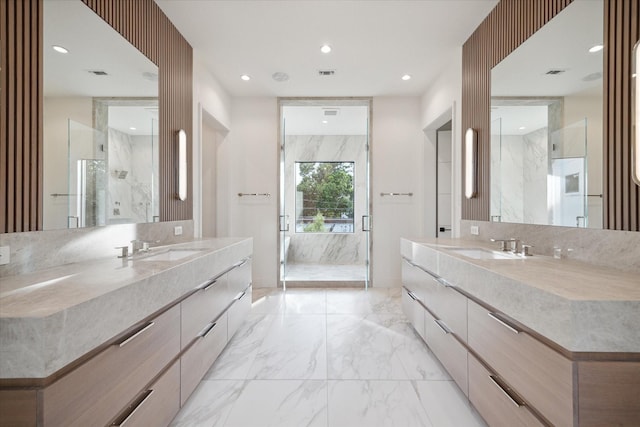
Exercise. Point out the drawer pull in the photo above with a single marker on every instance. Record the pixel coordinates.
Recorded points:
(133, 410)
(409, 262)
(443, 282)
(209, 285)
(506, 391)
(504, 323)
(412, 296)
(239, 296)
(206, 330)
(240, 263)
(135, 334)
(442, 326)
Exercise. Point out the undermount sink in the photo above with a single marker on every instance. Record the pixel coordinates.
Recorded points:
(171, 255)
(480, 253)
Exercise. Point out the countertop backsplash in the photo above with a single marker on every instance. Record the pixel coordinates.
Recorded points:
(608, 248)
(37, 250)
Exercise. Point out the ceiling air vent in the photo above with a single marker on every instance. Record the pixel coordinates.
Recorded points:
(326, 72)
(330, 111)
(98, 72)
(554, 72)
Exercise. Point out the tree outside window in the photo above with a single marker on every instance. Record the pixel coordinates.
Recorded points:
(324, 197)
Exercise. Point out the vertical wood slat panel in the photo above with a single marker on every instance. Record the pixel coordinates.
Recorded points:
(505, 28)
(622, 195)
(144, 25)
(21, 115)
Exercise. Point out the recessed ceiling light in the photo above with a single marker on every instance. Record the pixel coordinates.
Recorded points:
(132, 128)
(521, 128)
(245, 77)
(60, 49)
(325, 48)
(325, 121)
(596, 48)
(406, 77)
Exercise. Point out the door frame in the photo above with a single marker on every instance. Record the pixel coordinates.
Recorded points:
(320, 101)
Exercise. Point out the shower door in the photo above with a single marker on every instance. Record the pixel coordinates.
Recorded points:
(324, 218)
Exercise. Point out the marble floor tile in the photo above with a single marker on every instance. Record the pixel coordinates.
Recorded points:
(446, 405)
(375, 404)
(417, 360)
(236, 359)
(327, 357)
(292, 403)
(209, 405)
(361, 348)
(305, 301)
(374, 300)
(294, 348)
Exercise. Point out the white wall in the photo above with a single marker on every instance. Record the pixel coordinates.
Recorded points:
(442, 102)
(396, 166)
(253, 159)
(211, 103)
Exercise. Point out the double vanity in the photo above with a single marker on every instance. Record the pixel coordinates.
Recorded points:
(119, 341)
(531, 341)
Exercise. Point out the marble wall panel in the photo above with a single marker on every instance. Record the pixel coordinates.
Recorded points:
(327, 248)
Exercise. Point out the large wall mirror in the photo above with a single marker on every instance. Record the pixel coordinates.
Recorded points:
(100, 123)
(546, 124)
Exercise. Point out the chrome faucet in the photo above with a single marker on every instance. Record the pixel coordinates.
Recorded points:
(503, 244)
(139, 246)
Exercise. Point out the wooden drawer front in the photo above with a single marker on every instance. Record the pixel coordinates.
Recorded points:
(447, 304)
(197, 360)
(609, 393)
(493, 402)
(411, 277)
(541, 376)
(447, 349)
(240, 277)
(202, 307)
(239, 311)
(413, 310)
(18, 408)
(96, 391)
(157, 405)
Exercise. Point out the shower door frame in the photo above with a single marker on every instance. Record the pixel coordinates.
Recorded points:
(319, 101)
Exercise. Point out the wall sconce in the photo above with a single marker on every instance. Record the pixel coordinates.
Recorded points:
(635, 94)
(181, 142)
(470, 163)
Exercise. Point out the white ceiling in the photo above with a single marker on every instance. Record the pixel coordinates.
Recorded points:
(126, 117)
(92, 45)
(518, 120)
(563, 43)
(374, 42)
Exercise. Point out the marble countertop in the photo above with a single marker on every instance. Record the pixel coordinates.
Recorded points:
(51, 317)
(582, 308)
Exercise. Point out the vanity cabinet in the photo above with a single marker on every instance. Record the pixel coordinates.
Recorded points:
(146, 373)
(157, 405)
(543, 377)
(447, 348)
(494, 400)
(513, 375)
(92, 393)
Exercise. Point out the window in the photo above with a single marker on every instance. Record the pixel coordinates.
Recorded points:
(324, 197)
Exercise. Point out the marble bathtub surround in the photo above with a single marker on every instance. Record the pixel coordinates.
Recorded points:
(39, 250)
(364, 366)
(326, 248)
(607, 248)
(52, 317)
(580, 307)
